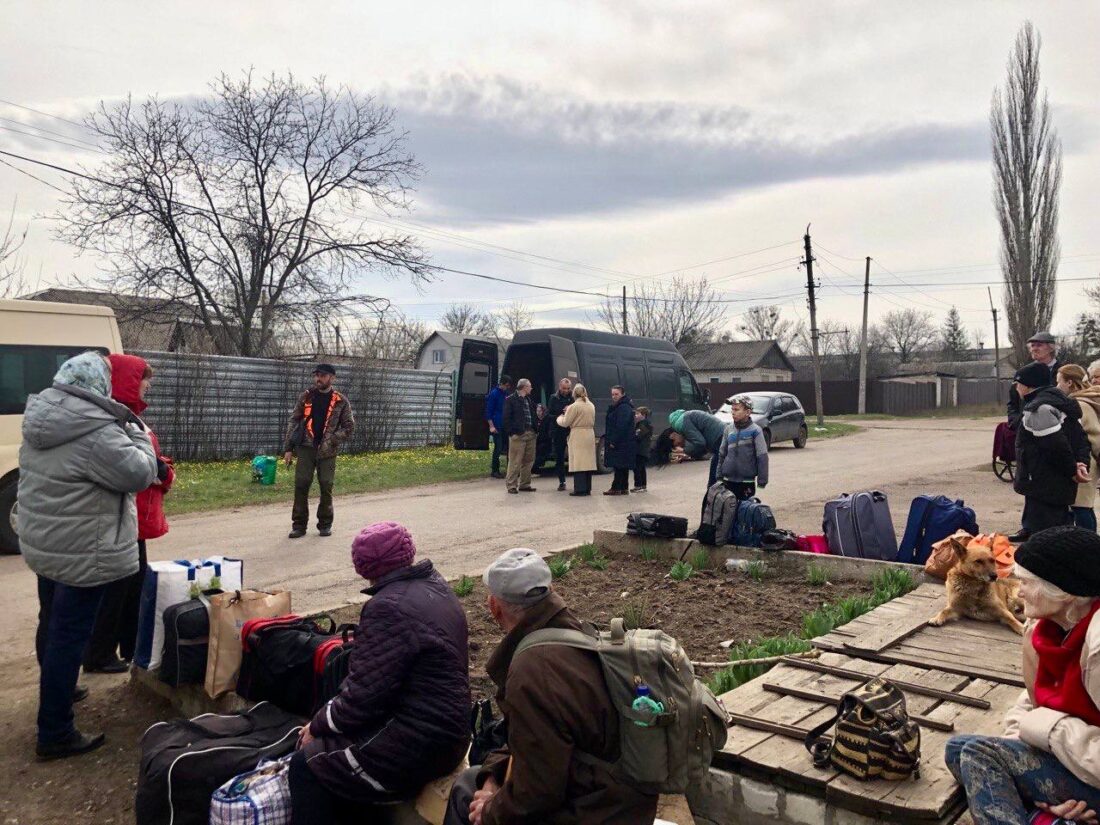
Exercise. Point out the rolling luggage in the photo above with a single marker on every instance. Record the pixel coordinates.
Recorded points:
(331, 661)
(719, 515)
(752, 522)
(277, 660)
(932, 518)
(184, 761)
(186, 643)
(859, 525)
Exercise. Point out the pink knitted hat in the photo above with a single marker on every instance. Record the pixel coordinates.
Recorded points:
(381, 548)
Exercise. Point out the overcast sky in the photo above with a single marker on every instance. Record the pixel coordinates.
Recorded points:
(629, 139)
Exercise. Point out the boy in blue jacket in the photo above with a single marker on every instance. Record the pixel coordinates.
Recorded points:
(743, 456)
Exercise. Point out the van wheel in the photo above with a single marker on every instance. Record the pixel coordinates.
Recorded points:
(601, 467)
(768, 438)
(803, 436)
(9, 539)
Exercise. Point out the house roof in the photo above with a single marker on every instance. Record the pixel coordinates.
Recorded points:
(736, 355)
(455, 339)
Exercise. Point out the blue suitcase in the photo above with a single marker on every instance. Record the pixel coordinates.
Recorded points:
(932, 518)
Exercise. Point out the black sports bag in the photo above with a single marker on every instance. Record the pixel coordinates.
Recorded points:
(277, 663)
(186, 642)
(654, 524)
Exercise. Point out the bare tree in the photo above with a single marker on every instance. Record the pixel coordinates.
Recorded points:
(908, 332)
(766, 323)
(514, 317)
(392, 337)
(1027, 176)
(466, 319)
(239, 204)
(953, 335)
(12, 264)
(686, 312)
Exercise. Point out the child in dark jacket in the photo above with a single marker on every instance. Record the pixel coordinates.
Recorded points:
(643, 431)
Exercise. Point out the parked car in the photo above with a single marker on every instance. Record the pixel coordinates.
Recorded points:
(779, 414)
(37, 337)
(653, 372)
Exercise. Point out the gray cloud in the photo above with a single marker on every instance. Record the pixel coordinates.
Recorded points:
(499, 151)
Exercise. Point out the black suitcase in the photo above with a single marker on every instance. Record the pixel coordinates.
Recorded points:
(186, 642)
(184, 761)
(277, 663)
(332, 668)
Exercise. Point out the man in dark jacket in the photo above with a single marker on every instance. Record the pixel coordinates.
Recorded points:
(402, 716)
(520, 422)
(556, 406)
(494, 417)
(558, 712)
(1043, 349)
(620, 442)
(322, 420)
(1052, 451)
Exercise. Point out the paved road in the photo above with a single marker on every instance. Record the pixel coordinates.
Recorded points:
(462, 526)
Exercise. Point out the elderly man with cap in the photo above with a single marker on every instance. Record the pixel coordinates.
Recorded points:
(1043, 349)
(1052, 451)
(563, 730)
(322, 420)
(1049, 754)
(402, 716)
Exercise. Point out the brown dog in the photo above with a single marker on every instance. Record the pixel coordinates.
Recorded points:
(974, 591)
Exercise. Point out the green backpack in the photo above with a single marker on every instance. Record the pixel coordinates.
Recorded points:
(660, 752)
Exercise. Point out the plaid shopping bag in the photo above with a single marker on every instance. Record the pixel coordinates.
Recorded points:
(259, 797)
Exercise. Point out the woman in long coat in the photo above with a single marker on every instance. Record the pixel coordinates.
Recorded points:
(580, 419)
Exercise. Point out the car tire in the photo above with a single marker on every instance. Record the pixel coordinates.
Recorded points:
(9, 539)
(803, 436)
(768, 437)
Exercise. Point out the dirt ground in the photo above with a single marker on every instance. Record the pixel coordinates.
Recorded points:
(99, 788)
(707, 609)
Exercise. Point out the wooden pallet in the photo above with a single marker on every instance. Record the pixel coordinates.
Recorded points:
(976, 659)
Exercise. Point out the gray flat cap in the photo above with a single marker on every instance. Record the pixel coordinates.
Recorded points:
(519, 577)
(1043, 337)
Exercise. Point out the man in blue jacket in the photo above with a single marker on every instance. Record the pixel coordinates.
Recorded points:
(494, 417)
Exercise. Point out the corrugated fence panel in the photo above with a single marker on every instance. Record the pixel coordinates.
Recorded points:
(206, 406)
(983, 391)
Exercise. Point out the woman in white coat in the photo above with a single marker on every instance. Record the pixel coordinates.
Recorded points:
(580, 420)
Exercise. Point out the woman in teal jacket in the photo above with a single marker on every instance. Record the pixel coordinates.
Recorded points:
(697, 433)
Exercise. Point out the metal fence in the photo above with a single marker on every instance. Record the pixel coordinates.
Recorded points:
(983, 391)
(209, 406)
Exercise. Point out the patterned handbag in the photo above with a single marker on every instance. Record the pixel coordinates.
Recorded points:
(259, 797)
(874, 736)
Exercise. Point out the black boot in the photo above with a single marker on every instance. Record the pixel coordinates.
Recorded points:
(75, 745)
(1019, 537)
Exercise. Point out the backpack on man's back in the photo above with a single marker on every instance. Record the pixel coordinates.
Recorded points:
(661, 752)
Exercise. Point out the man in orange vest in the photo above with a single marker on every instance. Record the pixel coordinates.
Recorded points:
(322, 420)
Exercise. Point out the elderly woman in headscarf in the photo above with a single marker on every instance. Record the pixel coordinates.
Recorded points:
(83, 459)
(1049, 755)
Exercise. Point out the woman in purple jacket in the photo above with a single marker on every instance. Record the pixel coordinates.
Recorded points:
(402, 716)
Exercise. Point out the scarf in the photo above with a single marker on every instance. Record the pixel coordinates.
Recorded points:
(88, 371)
(1059, 682)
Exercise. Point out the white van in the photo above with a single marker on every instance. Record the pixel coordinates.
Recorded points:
(36, 337)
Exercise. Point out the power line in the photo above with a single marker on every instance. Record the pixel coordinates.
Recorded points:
(44, 114)
(46, 137)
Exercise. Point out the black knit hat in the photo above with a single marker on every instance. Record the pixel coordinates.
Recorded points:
(1033, 375)
(1067, 557)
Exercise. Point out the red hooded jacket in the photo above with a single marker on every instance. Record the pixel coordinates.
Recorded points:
(126, 375)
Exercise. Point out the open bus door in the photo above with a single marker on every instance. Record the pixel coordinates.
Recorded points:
(477, 374)
(563, 353)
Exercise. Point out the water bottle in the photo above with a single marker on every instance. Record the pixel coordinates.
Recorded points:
(644, 702)
(739, 565)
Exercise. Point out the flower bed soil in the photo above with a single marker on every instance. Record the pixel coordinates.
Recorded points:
(701, 612)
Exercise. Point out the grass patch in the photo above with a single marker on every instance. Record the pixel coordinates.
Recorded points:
(830, 429)
(585, 553)
(599, 562)
(816, 575)
(700, 559)
(887, 584)
(756, 570)
(636, 614)
(214, 485)
(559, 566)
(464, 586)
(735, 676)
(681, 571)
(649, 552)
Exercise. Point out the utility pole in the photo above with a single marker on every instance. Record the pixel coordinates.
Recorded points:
(813, 326)
(625, 329)
(996, 345)
(863, 341)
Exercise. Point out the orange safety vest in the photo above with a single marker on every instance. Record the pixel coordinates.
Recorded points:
(307, 413)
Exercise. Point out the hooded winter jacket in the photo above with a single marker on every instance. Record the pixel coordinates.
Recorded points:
(1049, 445)
(126, 375)
(744, 454)
(620, 442)
(1089, 399)
(702, 431)
(83, 458)
(402, 716)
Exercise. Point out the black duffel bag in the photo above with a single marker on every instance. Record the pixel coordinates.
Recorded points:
(654, 524)
(186, 642)
(184, 761)
(277, 662)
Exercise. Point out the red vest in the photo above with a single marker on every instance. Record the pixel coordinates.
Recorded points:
(1059, 682)
(307, 413)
